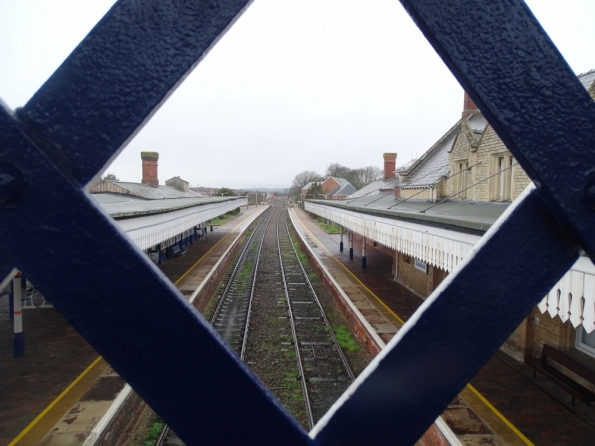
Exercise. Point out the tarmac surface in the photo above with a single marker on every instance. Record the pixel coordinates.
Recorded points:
(502, 405)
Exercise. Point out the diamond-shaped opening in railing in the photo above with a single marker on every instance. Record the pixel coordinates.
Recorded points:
(327, 103)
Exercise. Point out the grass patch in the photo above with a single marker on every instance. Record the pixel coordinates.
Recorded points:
(345, 339)
(330, 229)
(218, 221)
(153, 433)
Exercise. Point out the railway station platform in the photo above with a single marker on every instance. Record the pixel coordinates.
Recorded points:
(61, 390)
(503, 404)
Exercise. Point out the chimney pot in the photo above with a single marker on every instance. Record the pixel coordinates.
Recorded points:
(390, 160)
(150, 168)
(469, 106)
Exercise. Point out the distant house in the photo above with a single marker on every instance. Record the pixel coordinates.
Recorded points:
(306, 188)
(337, 188)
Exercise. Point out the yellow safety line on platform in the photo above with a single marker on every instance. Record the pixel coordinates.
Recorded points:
(499, 415)
(94, 363)
(473, 389)
(53, 403)
(209, 251)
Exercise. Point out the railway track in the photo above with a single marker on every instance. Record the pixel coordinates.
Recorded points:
(269, 313)
(324, 372)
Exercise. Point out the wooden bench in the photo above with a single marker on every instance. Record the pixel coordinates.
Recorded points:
(576, 390)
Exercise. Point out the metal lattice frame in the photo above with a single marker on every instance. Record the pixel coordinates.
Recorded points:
(127, 66)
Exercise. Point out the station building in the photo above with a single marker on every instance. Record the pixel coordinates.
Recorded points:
(430, 213)
(161, 219)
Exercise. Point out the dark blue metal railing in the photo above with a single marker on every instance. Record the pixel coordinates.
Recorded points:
(118, 76)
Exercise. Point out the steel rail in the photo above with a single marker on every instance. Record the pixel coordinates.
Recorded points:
(294, 334)
(322, 312)
(235, 270)
(165, 433)
(255, 274)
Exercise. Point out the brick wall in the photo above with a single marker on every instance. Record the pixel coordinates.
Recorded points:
(550, 331)
(413, 279)
(432, 437)
(422, 194)
(520, 342)
(328, 185)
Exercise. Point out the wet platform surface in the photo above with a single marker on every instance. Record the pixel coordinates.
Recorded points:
(503, 403)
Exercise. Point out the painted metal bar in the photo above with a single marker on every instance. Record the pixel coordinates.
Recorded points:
(18, 338)
(455, 332)
(512, 70)
(119, 75)
(183, 370)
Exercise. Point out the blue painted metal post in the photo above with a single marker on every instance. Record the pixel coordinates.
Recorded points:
(18, 339)
(351, 245)
(11, 301)
(211, 225)
(363, 252)
(341, 244)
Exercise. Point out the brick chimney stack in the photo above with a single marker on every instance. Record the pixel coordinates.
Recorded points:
(469, 106)
(150, 167)
(390, 160)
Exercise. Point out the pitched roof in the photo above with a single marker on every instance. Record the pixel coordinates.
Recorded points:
(146, 191)
(344, 188)
(587, 79)
(376, 187)
(307, 186)
(432, 165)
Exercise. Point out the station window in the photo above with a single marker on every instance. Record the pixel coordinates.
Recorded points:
(501, 184)
(462, 179)
(585, 342)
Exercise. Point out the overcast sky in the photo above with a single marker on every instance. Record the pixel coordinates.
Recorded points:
(294, 85)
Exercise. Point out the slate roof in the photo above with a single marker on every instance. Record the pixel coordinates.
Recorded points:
(462, 215)
(344, 188)
(587, 78)
(433, 165)
(126, 206)
(347, 189)
(376, 187)
(307, 186)
(153, 193)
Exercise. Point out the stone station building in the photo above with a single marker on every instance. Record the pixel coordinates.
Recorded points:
(431, 212)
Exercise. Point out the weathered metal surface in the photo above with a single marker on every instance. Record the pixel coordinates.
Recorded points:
(119, 75)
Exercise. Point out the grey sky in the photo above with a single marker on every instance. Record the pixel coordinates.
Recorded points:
(295, 85)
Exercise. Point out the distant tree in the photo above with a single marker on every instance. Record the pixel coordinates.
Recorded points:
(110, 177)
(305, 177)
(225, 192)
(338, 171)
(315, 191)
(357, 177)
